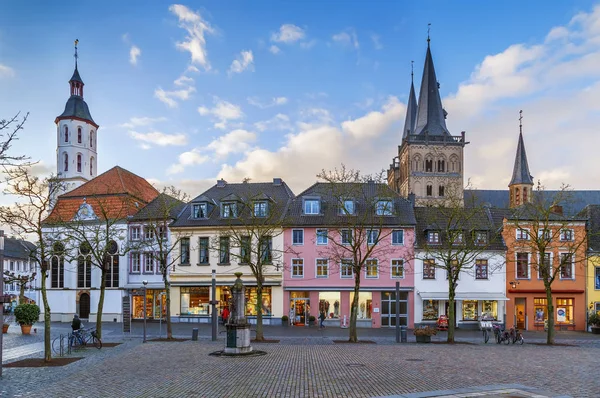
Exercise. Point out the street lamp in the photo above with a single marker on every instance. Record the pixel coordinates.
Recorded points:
(144, 282)
(214, 319)
(514, 284)
(2, 298)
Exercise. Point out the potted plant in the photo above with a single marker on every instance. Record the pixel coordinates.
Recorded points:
(285, 321)
(26, 315)
(594, 322)
(311, 320)
(424, 334)
(6, 319)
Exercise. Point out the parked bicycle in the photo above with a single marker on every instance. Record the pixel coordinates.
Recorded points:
(486, 327)
(516, 336)
(81, 338)
(501, 334)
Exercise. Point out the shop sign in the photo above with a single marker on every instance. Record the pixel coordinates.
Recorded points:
(126, 314)
(375, 309)
(561, 314)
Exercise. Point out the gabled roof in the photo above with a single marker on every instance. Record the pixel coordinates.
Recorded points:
(521, 173)
(411, 113)
(364, 195)
(17, 248)
(246, 193)
(592, 213)
(157, 209)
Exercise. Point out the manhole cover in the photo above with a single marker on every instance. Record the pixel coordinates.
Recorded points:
(355, 365)
(414, 359)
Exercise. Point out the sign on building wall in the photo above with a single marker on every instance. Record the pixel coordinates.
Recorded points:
(126, 314)
(561, 314)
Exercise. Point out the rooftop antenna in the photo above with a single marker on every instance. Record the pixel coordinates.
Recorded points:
(521, 121)
(76, 56)
(428, 30)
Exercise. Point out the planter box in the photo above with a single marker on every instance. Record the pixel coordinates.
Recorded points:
(423, 339)
(26, 329)
(5, 328)
(595, 330)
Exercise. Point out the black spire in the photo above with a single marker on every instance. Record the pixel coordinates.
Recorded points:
(521, 169)
(411, 110)
(75, 82)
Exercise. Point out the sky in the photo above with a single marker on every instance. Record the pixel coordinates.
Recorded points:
(186, 93)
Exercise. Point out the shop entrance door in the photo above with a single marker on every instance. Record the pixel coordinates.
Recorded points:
(388, 309)
(84, 306)
(299, 312)
(520, 311)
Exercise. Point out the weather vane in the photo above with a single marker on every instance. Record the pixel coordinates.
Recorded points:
(76, 56)
(428, 30)
(521, 121)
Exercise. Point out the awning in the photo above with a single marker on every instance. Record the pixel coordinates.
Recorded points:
(223, 283)
(347, 289)
(149, 286)
(463, 296)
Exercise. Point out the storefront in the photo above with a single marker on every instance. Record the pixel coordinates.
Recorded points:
(468, 308)
(156, 304)
(530, 311)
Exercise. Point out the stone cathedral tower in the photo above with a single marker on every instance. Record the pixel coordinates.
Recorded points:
(76, 134)
(430, 160)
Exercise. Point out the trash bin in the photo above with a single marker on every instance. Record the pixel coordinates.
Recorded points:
(403, 332)
(195, 334)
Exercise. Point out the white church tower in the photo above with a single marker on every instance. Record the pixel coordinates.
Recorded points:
(76, 134)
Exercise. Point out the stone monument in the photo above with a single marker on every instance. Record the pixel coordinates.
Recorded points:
(238, 329)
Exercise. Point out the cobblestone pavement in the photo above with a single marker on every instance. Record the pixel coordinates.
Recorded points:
(185, 369)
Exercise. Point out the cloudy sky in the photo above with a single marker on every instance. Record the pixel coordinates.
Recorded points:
(186, 93)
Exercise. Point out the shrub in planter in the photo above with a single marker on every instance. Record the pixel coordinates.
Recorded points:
(285, 321)
(594, 322)
(311, 320)
(425, 331)
(26, 315)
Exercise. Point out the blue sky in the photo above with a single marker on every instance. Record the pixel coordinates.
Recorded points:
(284, 89)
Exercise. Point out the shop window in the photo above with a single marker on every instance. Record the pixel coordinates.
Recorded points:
(522, 265)
(397, 268)
(540, 310)
(365, 304)
(481, 269)
(297, 268)
(322, 237)
(597, 278)
(489, 309)
(566, 266)
(156, 304)
(329, 302)
(184, 251)
(224, 250)
(297, 236)
(346, 269)
(398, 237)
(371, 269)
(430, 310)
(251, 301)
(564, 310)
(322, 268)
(469, 309)
(194, 301)
(429, 269)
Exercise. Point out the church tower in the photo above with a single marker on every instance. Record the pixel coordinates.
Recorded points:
(430, 160)
(521, 184)
(76, 133)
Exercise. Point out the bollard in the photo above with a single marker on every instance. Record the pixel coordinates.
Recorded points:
(195, 334)
(403, 332)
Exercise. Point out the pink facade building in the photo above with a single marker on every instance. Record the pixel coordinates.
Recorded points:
(317, 277)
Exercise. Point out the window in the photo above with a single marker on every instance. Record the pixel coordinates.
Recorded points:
(224, 250)
(566, 266)
(489, 309)
(458, 237)
(545, 234)
(57, 266)
(545, 267)
(397, 268)
(252, 306)
(597, 278)
(540, 310)
(469, 310)
(430, 310)
(428, 165)
(111, 263)
(454, 268)
(297, 268)
(433, 237)
(524, 194)
(311, 206)
(329, 303)
(522, 234)
(441, 167)
(567, 234)
(398, 237)
(135, 262)
(372, 236)
(441, 190)
(195, 300)
(298, 237)
(12, 266)
(84, 266)
(245, 249)
(346, 269)
(149, 263)
(79, 135)
(429, 269)
(79, 163)
(92, 166)
(66, 130)
(564, 310)
(184, 248)
(522, 265)
(161, 232)
(481, 269)
(384, 208)
(203, 250)
(322, 268)
(480, 238)
(429, 190)
(266, 249)
(91, 139)
(148, 233)
(347, 207)
(260, 209)
(199, 210)
(371, 269)
(66, 161)
(322, 237)
(365, 304)
(229, 210)
(346, 235)
(134, 233)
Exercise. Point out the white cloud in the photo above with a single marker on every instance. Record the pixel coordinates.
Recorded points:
(308, 44)
(223, 112)
(6, 71)
(274, 49)
(197, 28)
(244, 61)
(142, 121)
(167, 97)
(158, 138)
(184, 81)
(276, 101)
(279, 122)
(288, 33)
(134, 54)
(190, 158)
(347, 38)
(376, 42)
(376, 122)
(237, 141)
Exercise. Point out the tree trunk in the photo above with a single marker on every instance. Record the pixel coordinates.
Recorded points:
(259, 316)
(451, 315)
(47, 317)
(22, 293)
(550, 335)
(353, 333)
(168, 304)
(101, 304)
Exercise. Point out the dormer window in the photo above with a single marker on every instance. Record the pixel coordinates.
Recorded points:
(458, 238)
(311, 206)
(384, 208)
(433, 237)
(480, 237)
(347, 207)
(199, 210)
(260, 209)
(229, 210)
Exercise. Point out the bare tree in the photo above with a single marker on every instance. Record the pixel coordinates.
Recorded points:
(25, 218)
(21, 280)
(8, 135)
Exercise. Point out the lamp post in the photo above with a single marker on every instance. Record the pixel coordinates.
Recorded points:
(144, 282)
(513, 284)
(213, 303)
(160, 297)
(2, 298)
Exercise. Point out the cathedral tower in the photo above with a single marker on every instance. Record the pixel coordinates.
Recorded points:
(521, 184)
(76, 133)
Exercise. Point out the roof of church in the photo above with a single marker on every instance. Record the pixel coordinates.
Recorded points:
(76, 107)
(411, 113)
(431, 117)
(76, 77)
(521, 173)
(157, 209)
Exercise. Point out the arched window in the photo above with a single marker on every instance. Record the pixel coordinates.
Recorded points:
(111, 264)
(92, 139)
(57, 266)
(79, 135)
(524, 194)
(428, 164)
(441, 190)
(66, 161)
(517, 197)
(441, 165)
(84, 266)
(92, 166)
(416, 166)
(429, 190)
(79, 163)
(66, 134)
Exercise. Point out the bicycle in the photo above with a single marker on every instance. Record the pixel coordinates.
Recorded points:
(501, 334)
(516, 336)
(81, 337)
(486, 327)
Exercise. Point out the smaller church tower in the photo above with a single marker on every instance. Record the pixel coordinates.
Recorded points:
(521, 184)
(76, 134)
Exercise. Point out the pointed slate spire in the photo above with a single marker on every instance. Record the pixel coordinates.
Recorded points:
(411, 112)
(521, 169)
(76, 77)
(431, 117)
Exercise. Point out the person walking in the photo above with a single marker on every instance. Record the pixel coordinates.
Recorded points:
(225, 315)
(322, 319)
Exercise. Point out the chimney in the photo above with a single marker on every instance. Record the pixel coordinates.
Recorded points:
(221, 183)
(277, 181)
(557, 209)
(411, 199)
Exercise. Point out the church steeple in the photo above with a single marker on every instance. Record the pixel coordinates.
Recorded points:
(521, 183)
(411, 110)
(431, 117)
(75, 82)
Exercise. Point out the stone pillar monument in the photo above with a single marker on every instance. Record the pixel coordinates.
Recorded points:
(238, 329)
